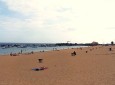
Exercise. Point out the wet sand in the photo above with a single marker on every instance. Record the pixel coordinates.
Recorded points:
(96, 67)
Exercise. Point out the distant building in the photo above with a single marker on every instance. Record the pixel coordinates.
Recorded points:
(94, 43)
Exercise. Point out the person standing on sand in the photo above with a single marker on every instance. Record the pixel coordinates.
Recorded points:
(21, 51)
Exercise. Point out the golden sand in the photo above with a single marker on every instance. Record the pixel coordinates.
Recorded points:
(96, 67)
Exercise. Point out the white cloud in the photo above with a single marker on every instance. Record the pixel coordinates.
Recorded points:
(50, 17)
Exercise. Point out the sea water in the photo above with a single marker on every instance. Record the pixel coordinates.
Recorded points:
(4, 51)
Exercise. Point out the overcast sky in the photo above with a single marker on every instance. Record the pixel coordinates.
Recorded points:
(52, 21)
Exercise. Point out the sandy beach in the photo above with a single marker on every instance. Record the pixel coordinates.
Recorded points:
(96, 67)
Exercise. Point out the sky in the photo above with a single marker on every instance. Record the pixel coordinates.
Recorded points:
(57, 21)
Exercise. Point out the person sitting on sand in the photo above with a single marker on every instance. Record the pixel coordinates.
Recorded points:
(73, 54)
(11, 54)
(32, 52)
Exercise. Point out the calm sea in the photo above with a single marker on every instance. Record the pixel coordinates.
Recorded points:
(4, 51)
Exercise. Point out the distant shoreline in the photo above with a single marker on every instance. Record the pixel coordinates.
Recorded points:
(7, 48)
(7, 51)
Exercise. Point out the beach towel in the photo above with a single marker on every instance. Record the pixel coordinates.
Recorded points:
(39, 69)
